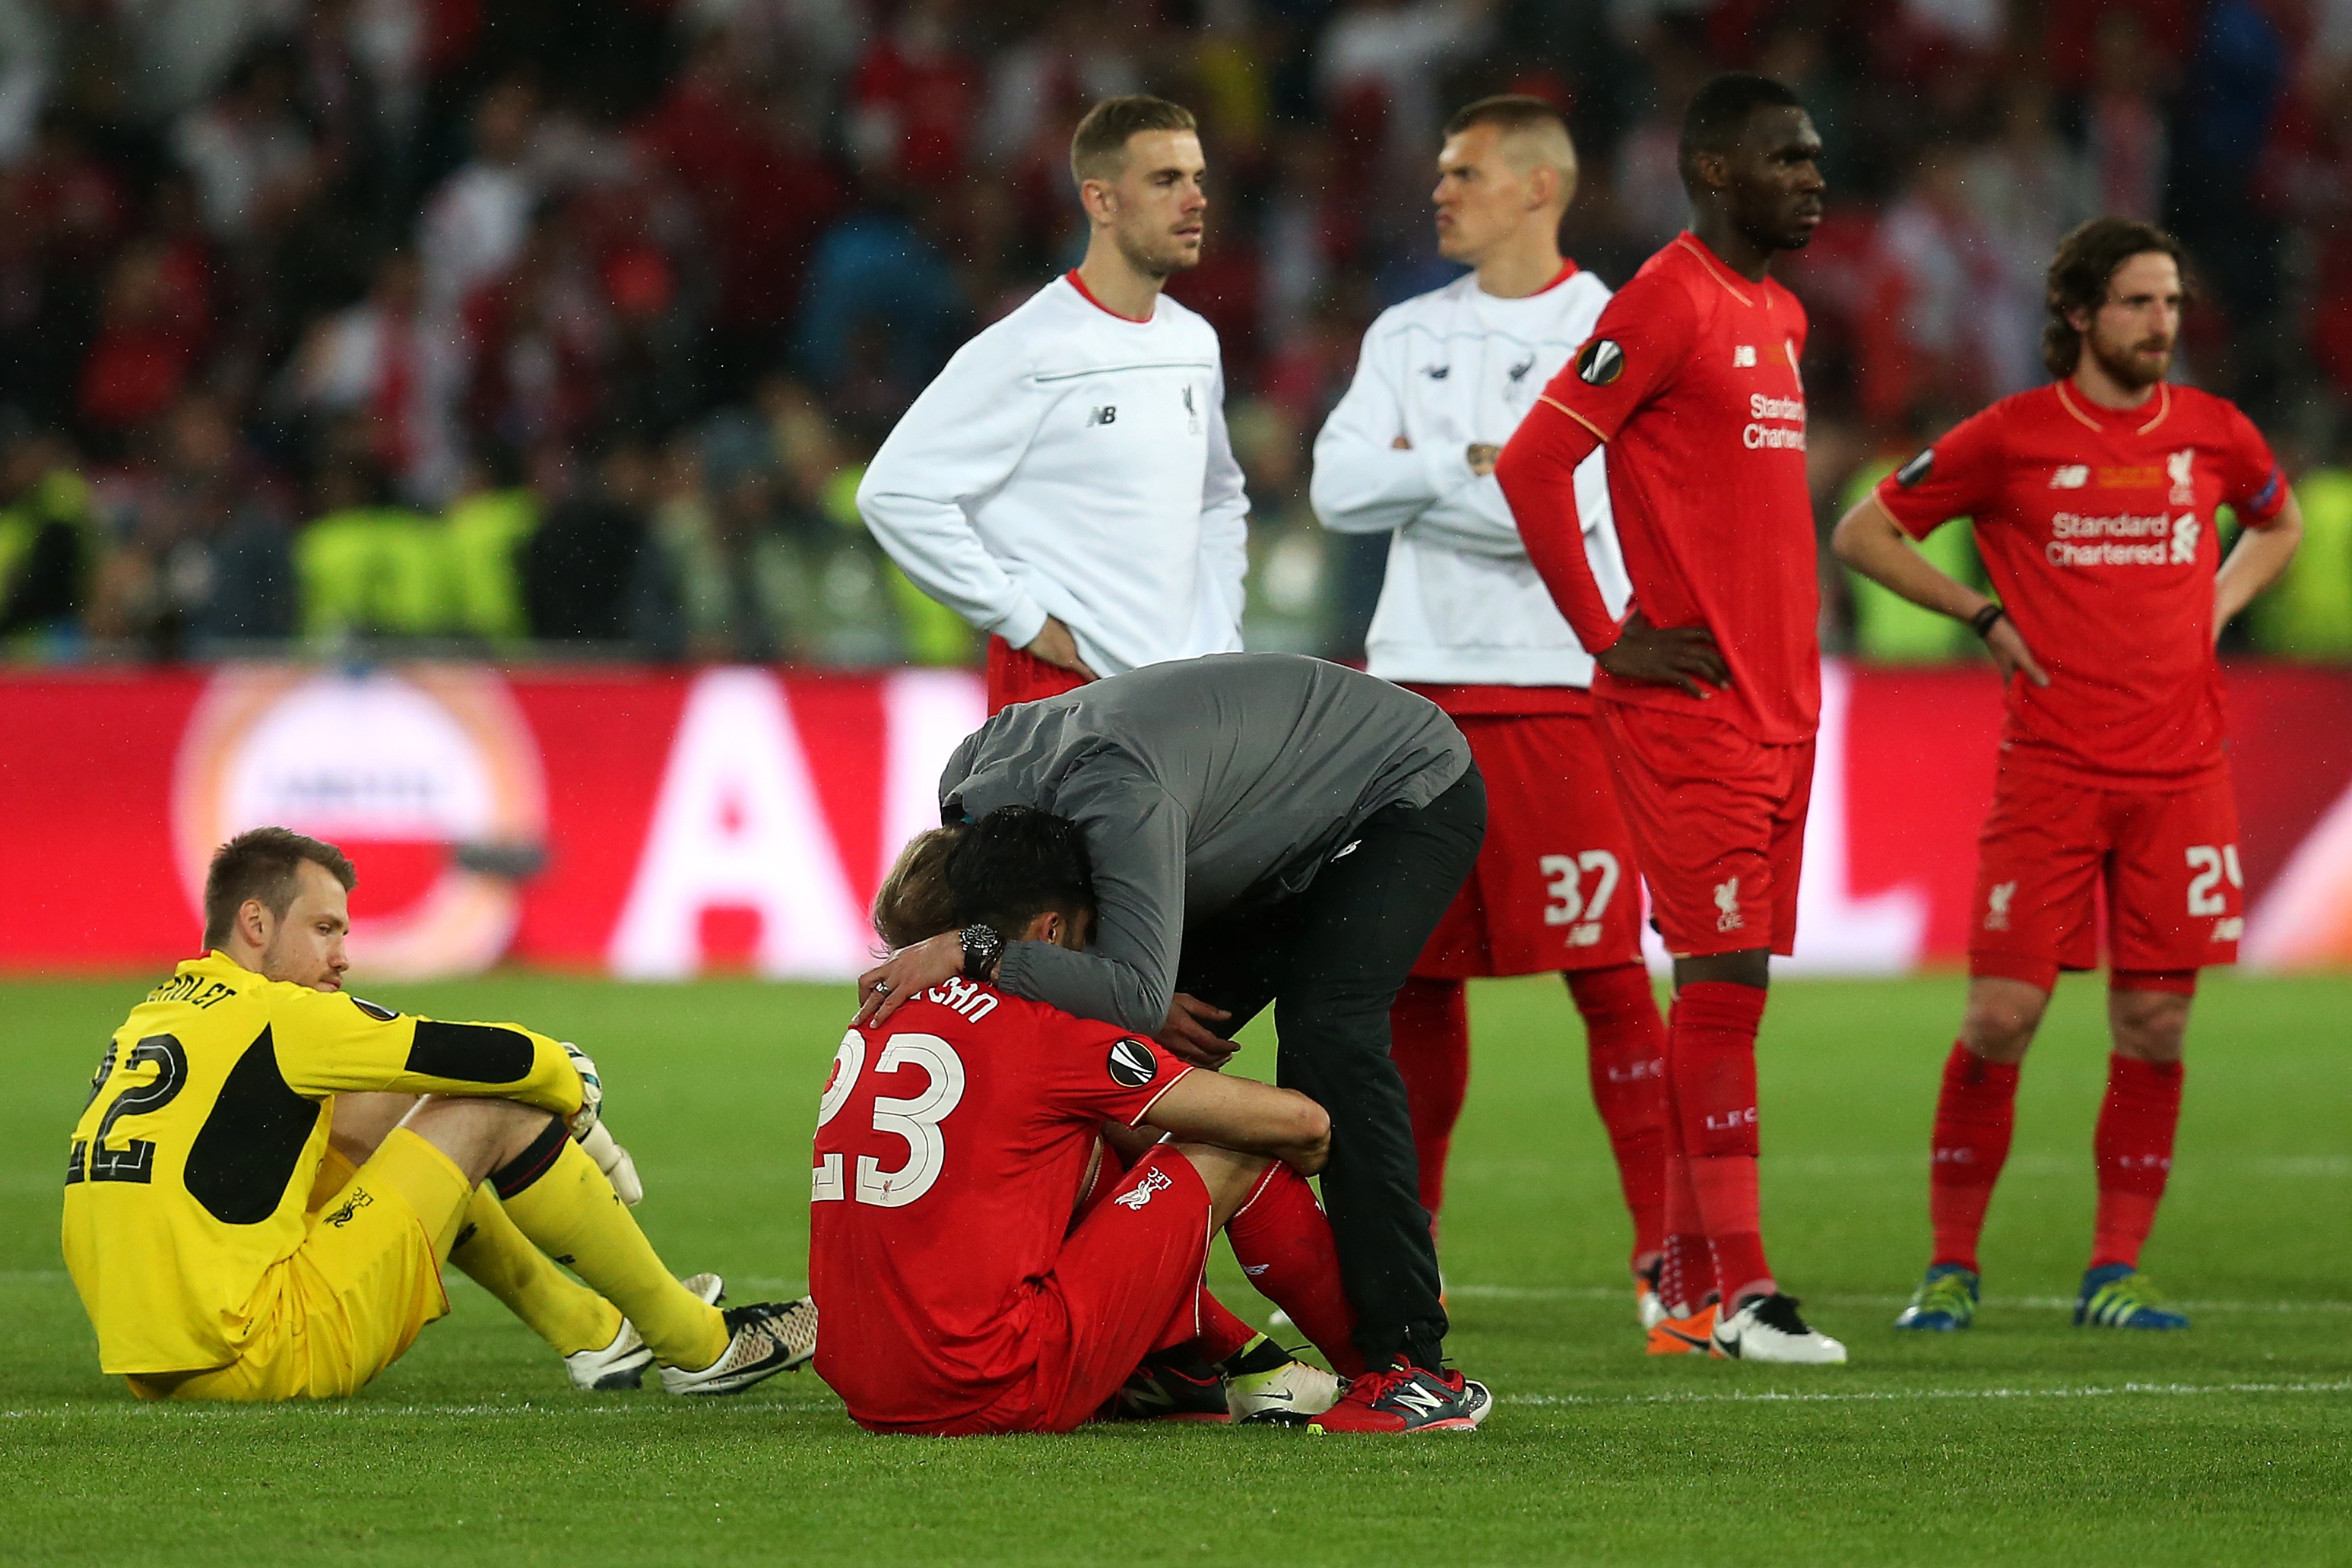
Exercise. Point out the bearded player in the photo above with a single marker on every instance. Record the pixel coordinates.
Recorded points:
(1464, 620)
(2093, 501)
(1066, 484)
(954, 1143)
(258, 1201)
(1708, 689)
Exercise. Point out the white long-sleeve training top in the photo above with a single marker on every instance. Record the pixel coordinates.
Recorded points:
(1462, 604)
(1073, 462)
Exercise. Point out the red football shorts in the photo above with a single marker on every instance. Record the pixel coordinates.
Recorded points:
(2167, 861)
(1128, 1282)
(1718, 826)
(1555, 886)
(1015, 675)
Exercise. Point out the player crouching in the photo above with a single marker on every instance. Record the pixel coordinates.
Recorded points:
(269, 1174)
(955, 1141)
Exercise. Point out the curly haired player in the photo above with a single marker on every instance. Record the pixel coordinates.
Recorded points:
(2093, 500)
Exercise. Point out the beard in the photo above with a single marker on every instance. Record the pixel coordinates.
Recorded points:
(2126, 365)
(1157, 255)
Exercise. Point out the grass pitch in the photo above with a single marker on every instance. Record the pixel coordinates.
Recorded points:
(2023, 1440)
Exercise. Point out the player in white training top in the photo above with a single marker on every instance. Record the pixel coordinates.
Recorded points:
(1067, 484)
(1464, 620)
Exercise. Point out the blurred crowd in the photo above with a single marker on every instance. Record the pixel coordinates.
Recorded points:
(566, 325)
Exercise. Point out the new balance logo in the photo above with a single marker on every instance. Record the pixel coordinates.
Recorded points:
(1997, 901)
(1518, 372)
(1417, 1399)
(1106, 414)
(2229, 930)
(1437, 372)
(1153, 1181)
(1743, 357)
(1727, 903)
(2070, 477)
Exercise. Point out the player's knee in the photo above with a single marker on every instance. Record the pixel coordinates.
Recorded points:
(2001, 1020)
(2150, 1025)
(478, 1135)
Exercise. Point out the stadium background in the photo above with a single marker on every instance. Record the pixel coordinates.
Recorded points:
(433, 421)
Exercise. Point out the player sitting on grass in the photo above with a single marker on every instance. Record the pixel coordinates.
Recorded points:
(258, 1201)
(955, 1141)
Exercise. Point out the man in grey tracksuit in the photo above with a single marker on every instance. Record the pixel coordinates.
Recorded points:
(1263, 828)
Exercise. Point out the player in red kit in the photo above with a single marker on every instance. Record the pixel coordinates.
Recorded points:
(1709, 689)
(2094, 502)
(981, 1263)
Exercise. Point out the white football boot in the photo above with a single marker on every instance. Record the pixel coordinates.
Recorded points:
(623, 1363)
(1766, 1328)
(762, 1339)
(1293, 1388)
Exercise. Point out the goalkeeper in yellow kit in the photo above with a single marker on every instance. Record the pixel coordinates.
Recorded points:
(269, 1174)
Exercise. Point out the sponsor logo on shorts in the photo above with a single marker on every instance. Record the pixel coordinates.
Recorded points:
(2070, 477)
(1132, 1065)
(1153, 1181)
(1599, 362)
(1727, 904)
(2230, 930)
(340, 1215)
(1997, 901)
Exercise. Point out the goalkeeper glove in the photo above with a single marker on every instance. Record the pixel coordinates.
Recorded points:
(614, 1162)
(592, 1092)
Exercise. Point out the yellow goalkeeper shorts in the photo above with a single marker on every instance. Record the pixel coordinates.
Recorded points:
(353, 1297)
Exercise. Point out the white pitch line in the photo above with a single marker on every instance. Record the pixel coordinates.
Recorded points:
(2092, 1391)
(1609, 1293)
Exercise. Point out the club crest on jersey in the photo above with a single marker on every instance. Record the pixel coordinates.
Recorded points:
(1599, 362)
(2070, 477)
(1140, 1194)
(1918, 468)
(1132, 1065)
(2181, 469)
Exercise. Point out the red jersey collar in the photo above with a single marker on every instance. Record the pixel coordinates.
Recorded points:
(1088, 296)
(1737, 286)
(2101, 419)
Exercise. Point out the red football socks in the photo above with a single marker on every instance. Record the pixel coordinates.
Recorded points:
(1429, 1030)
(1626, 1053)
(1221, 1333)
(1283, 1241)
(1974, 1115)
(1711, 1063)
(2133, 1147)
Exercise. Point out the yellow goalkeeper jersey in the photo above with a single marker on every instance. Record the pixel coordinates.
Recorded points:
(194, 1161)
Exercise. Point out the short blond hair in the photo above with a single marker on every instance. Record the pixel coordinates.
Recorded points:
(1526, 121)
(1099, 147)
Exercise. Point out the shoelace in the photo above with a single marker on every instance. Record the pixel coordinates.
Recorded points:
(1373, 1386)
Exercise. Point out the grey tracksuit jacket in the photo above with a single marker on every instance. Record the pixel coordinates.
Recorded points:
(1203, 786)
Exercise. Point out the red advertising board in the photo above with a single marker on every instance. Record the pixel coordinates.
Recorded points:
(661, 824)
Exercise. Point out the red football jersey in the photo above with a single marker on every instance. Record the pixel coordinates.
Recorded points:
(1691, 379)
(2096, 527)
(951, 1144)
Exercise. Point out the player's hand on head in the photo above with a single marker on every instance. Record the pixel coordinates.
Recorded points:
(1188, 1038)
(1056, 646)
(1682, 656)
(2009, 651)
(882, 988)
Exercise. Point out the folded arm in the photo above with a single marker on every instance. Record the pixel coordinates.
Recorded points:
(331, 1043)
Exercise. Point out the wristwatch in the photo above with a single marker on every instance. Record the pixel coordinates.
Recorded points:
(982, 947)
